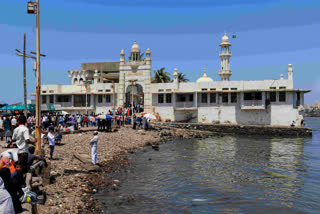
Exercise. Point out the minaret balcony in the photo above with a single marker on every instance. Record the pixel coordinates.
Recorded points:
(225, 72)
(225, 53)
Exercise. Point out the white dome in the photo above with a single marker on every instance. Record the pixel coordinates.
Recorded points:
(225, 38)
(135, 47)
(204, 78)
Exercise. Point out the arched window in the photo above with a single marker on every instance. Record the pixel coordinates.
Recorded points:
(81, 81)
(75, 81)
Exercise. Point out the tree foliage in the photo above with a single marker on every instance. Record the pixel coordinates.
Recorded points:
(160, 76)
(182, 77)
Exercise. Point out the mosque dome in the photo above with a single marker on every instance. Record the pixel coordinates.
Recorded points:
(204, 78)
(225, 40)
(135, 47)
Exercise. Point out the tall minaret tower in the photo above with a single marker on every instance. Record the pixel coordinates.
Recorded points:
(225, 55)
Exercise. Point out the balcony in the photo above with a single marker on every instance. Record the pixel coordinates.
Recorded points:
(225, 53)
(185, 105)
(252, 105)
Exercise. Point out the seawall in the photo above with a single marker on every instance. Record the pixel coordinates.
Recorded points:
(243, 129)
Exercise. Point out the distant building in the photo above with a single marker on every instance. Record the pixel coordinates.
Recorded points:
(266, 102)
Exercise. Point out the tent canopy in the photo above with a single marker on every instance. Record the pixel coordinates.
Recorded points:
(30, 107)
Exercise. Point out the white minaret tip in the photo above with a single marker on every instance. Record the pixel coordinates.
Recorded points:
(281, 76)
(175, 71)
(122, 52)
(290, 71)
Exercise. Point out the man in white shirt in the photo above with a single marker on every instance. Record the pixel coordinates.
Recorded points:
(45, 122)
(94, 144)
(13, 122)
(20, 137)
(51, 139)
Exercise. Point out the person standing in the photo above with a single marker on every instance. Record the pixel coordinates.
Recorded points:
(85, 120)
(51, 139)
(94, 144)
(21, 139)
(13, 123)
(6, 205)
(7, 128)
(1, 127)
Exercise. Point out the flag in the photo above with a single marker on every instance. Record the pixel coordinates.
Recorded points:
(234, 36)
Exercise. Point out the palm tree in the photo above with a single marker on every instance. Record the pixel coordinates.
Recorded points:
(140, 57)
(160, 76)
(182, 77)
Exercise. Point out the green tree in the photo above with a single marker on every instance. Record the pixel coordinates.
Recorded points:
(160, 76)
(182, 77)
(141, 57)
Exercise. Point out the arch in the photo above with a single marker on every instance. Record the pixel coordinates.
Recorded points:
(81, 80)
(138, 95)
(75, 81)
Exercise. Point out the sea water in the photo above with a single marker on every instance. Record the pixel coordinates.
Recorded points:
(231, 174)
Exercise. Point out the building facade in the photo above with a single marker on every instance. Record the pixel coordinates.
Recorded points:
(98, 87)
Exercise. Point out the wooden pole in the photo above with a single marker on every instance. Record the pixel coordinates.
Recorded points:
(132, 102)
(38, 87)
(114, 105)
(24, 75)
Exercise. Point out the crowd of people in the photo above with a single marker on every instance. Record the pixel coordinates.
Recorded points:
(19, 160)
(17, 166)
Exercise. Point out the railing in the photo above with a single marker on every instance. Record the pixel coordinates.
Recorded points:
(252, 102)
(64, 104)
(184, 105)
(225, 53)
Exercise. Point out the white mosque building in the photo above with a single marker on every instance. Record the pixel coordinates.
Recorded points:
(99, 86)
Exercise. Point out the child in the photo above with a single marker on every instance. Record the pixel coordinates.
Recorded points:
(93, 144)
(51, 139)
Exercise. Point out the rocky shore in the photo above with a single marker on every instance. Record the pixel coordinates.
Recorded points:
(72, 185)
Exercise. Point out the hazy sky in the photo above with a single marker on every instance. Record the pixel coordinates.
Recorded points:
(180, 33)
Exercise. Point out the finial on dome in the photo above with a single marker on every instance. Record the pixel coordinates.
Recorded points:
(205, 71)
(122, 52)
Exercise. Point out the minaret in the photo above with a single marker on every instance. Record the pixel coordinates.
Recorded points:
(122, 59)
(290, 71)
(135, 52)
(148, 57)
(225, 55)
(175, 78)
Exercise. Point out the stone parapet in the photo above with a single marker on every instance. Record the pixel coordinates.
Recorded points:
(244, 129)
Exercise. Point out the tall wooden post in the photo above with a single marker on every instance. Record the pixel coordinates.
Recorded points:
(114, 105)
(132, 101)
(24, 75)
(38, 88)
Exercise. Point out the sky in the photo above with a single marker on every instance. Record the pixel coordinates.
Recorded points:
(185, 34)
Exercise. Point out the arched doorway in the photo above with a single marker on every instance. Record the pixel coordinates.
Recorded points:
(138, 96)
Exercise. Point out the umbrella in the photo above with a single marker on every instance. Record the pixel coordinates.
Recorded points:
(108, 117)
(143, 114)
(64, 112)
(102, 117)
(150, 116)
